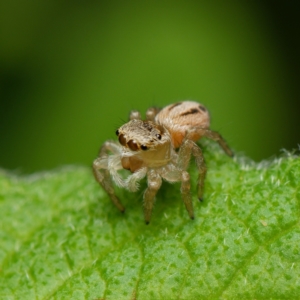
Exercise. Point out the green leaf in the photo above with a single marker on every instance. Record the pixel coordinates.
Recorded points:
(62, 238)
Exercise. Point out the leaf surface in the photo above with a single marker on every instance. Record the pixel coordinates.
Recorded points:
(62, 238)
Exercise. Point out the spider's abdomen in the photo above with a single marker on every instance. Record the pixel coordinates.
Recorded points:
(181, 117)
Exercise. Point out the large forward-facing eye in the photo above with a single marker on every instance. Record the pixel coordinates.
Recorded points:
(133, 145)
(122, 139)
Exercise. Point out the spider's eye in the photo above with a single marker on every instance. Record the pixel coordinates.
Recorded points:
(144, 147)
(122, 140)
(133, 145)
(158, 136)
(117, 132)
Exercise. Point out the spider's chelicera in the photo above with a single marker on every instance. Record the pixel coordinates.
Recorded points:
(159, 147)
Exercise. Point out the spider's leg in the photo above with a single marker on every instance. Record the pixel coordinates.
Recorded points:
(154, 183)
(215, 136)
(103, 177)
(186, 195)
(135, 115)
(189, 147)
(101, 166)
(151, 113)
(173, 174)
(201, 166)
(111, 146)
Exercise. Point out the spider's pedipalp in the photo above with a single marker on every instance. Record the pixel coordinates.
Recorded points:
(134, 178)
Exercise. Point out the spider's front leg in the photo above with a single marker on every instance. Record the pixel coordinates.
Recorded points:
(189, 147)
(154, 183)
(110, 146)
(101, 166)
(151, 113)
(135, 115)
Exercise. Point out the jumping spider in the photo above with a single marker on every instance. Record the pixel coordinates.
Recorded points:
(159, 147)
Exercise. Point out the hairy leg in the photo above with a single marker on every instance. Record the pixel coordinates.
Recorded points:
(110, 146)
(218, 138)
(189, 147)
(151, 113)
(215, 136)
(103, 177)
(186, 194)
(101, 167)
(174, 174)
(111, 162)
(154, 183)
(135, 115)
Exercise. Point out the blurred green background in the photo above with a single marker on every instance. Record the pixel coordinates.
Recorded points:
(70, 72)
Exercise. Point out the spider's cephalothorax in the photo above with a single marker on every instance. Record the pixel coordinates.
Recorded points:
(149, 148)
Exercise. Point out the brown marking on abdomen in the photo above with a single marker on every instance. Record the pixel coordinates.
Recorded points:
(174, 105)
(190, 112)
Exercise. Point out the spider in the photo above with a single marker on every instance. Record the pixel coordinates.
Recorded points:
(159, 147)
